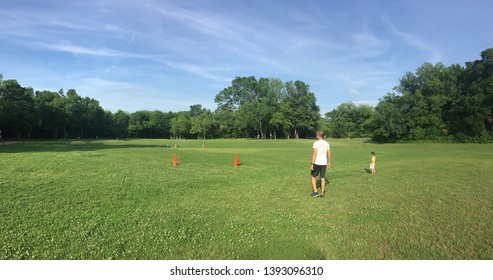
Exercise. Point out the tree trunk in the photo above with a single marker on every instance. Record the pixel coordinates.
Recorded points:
(262, 133)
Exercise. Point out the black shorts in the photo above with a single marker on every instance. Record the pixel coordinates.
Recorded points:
(319, 169)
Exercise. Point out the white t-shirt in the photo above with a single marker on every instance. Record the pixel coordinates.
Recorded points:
(322, 147)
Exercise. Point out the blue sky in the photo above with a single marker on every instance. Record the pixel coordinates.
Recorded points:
(168, 55)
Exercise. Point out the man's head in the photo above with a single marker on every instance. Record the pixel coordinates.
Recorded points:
(320, 135)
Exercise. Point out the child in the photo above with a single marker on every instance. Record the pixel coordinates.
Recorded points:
(372, 162)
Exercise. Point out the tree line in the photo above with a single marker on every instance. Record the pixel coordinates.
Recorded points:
(248, 108)
(438, 102)
(435, 103)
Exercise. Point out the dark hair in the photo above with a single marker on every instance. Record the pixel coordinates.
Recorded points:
(372, 153)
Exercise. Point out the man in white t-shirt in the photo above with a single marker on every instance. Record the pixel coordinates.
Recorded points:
(320, 162)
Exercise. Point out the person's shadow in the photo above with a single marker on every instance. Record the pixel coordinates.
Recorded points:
(319, 183)
(368, 170)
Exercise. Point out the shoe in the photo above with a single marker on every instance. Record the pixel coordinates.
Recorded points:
(322, 195)
(315, 194)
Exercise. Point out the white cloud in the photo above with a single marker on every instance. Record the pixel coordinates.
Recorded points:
(198, 70)
(208, 24)
(74, 49)
(435, 55)
(352, 92)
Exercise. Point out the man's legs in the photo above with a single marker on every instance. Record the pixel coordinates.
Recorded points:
(322, 183)
(322, 179)
(314, 184)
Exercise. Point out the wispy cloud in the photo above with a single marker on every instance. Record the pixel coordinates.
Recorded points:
(195, 69)
(117, 95)
(207, 23)
(75, 49)
(435, 55)
(198, 70)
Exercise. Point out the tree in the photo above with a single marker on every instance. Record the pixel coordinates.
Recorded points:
(121, 121)
(137, 124)
(228, 125)
(476, 99)
(299, 108)
(425, 95)
(180, 125)
(350, 120)
(17, 108)
(438, 102)
(388, 121)
(160, 124)
(94, 118)
(201, 124)
(246, 97)
(52, 117)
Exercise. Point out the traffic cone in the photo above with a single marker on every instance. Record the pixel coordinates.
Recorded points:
(203, 147)
(235, 161)
(174, 159)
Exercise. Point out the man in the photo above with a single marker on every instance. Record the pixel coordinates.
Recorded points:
(320, 162)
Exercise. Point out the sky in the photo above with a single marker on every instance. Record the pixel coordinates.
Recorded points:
(168, 55)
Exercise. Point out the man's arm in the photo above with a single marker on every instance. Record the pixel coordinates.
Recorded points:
(314, 156)
(328, 158)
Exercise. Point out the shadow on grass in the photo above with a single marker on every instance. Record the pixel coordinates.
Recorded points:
(319, 183)
(73, 145)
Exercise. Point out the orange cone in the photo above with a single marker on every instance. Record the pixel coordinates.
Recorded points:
(235, 161)
(174, 159)
(203, 147)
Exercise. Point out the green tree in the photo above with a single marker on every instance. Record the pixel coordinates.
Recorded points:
(121, 120)
(475, 106)
(180, 125)
(300, 109)
(349, 120)
(244, 98)
(425, 95)
(17, 109)
(389, 124)
(138, 123)
(202, 123)
(52, 117)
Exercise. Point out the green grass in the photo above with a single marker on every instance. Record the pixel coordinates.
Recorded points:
(124, 200)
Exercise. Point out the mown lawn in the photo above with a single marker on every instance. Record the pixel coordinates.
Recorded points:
(123, 199)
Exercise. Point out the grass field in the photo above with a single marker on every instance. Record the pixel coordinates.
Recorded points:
(124, 200)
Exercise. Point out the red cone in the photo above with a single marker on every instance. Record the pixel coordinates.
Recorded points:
(174, 159)
(235, 161)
